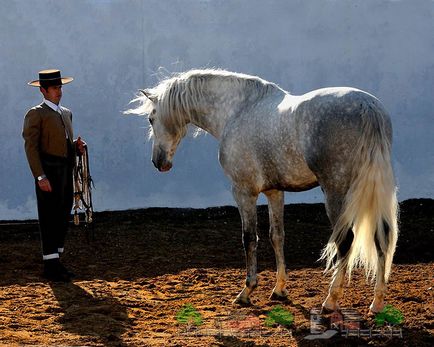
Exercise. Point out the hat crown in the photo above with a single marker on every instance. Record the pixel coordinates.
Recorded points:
(47, 75)
(50, 77)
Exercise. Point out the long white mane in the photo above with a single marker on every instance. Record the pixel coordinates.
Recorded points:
(180, 95)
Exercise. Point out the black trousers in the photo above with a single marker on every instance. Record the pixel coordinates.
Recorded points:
(54, 208)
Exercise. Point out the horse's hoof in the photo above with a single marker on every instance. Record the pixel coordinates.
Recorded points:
(329, 305)
(241, 301)
(278, 297)
(325, 310)
(373, 310)
(371, 314)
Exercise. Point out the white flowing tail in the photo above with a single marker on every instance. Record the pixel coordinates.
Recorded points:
(370, 206)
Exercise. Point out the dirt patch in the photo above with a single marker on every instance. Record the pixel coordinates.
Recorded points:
(136, 269)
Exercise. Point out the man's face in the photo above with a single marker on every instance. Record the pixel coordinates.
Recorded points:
(52, 93)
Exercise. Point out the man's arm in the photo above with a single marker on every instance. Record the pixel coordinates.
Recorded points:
(31, 135)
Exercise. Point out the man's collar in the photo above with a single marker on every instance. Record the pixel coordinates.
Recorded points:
(52, 105)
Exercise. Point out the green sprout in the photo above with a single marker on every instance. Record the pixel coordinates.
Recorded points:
(278, 315)
(390, 315)
(189, 315)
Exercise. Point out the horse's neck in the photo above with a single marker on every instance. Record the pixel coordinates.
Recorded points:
(220, 102)
(210, 122)
(213, 116)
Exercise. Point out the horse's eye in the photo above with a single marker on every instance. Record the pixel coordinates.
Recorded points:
(154, 111)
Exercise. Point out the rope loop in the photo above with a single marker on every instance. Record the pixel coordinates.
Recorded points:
(83, 188)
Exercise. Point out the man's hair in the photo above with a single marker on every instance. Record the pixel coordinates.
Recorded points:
(45, 87)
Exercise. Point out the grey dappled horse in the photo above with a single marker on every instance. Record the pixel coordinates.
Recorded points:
(272, 141)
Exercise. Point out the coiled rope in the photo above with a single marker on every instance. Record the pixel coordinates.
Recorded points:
(83, 188)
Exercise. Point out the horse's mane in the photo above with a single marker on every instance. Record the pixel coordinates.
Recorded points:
(178, 95)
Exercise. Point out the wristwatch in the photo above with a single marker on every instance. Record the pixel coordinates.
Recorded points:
(40, 178)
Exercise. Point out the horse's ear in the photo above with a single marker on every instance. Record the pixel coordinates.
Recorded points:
(148, 94)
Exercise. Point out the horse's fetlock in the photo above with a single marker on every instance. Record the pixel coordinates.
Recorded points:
(251, 283)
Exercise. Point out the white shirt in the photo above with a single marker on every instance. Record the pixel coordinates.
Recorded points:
(56, 108)
(53, 106)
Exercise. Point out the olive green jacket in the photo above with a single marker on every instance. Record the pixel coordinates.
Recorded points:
(44, 133)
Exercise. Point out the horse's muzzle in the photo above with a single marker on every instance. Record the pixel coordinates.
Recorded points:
(162, 166)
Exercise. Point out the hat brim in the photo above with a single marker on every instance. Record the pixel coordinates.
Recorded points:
(37, 83)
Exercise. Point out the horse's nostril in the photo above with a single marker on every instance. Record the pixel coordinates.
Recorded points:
(165, 167)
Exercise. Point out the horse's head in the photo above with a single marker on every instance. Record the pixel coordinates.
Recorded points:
(166, 131)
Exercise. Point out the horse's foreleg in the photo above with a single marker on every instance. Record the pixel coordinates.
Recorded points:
(277, 238)
(247, 207)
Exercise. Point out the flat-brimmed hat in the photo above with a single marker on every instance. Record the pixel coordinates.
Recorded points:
(49, 78)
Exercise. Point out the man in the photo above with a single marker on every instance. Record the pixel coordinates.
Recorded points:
(50, 151)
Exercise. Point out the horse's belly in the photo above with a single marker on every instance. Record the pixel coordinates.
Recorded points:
(292, 177)
(298, 187)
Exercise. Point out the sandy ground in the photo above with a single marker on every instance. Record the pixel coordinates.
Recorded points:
(136, 269)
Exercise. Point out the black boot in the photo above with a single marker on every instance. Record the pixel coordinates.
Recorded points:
(67, 272)
(53, 271)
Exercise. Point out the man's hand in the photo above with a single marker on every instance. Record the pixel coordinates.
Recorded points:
(45, 185)
(80, 146)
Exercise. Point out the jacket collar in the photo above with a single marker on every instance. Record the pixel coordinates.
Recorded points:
(51, 105)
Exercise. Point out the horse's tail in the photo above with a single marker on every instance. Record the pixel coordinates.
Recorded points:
(370, 207)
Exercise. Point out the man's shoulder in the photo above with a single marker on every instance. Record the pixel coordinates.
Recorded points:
(35, 110)
(65, 109)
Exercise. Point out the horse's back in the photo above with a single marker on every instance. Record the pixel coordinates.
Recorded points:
(330, 126)
(329, 117)
(291, 142)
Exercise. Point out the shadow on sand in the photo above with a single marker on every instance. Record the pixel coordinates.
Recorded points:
(102, 319)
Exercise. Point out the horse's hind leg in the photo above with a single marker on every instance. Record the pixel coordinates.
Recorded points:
(380, 280)
(247, 207)
(380, 287)
(277, 238)
(331, 303)
(333, 207)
